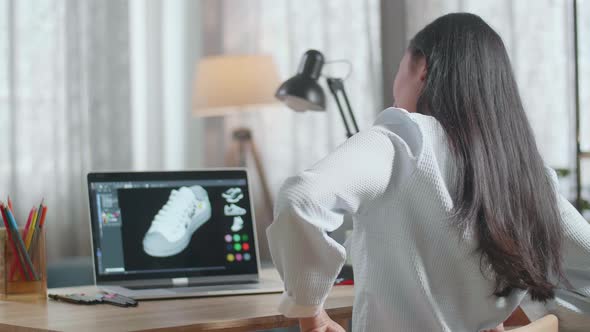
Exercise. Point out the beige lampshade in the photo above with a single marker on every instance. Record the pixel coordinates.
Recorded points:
(233, 83)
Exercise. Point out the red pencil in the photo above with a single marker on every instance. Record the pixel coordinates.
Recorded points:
(14, 264)
(16, 253)
(10, 204)
(42, 222)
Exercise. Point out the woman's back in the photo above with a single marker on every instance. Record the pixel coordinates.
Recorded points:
(414, 268)
(456, 214)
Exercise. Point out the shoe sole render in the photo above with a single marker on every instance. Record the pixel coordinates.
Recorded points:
(230, 199)
(183, 243)
(237, 227)
(241, 210)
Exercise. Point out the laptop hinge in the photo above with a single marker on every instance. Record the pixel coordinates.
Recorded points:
(180, 281)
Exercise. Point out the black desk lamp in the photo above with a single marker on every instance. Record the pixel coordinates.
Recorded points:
(302, 92)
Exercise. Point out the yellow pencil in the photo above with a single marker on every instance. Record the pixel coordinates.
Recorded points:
(31, 229)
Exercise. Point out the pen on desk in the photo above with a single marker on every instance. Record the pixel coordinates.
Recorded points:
(66, 298)
(129, 300)
(119, 300)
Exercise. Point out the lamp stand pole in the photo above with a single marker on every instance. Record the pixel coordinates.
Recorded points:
(336, 86)
(243, 136)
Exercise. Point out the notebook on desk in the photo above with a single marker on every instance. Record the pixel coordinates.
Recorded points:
(175, 234)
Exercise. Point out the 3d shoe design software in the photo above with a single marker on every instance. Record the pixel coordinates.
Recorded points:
(187, 209)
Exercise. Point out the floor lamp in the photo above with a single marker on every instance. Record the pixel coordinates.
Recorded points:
(236, 84)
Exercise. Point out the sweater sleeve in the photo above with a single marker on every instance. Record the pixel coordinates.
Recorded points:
(571, 304)
(313, 203)
(576, 248)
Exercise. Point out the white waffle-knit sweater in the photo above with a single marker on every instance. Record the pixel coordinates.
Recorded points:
(413, 270)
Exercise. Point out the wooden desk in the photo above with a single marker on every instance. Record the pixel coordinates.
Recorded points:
(230, 313)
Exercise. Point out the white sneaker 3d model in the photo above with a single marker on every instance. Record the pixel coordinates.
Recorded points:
(171, 230)
(233, 195)
(238, 224)
(233, 210)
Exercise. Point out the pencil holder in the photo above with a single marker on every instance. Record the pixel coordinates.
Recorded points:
(17, 281)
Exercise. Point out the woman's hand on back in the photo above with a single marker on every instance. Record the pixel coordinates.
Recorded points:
(319, 323)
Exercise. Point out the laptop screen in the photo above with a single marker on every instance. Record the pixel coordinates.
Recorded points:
(152, 225)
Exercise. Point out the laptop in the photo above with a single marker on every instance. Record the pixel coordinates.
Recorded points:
(175, 234)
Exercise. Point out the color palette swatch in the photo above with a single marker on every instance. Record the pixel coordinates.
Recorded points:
(237, 247)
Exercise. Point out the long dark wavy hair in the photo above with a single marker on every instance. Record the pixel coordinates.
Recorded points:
(504, 192)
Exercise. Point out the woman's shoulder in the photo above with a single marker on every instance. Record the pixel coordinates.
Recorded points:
(409, 129)
(400, 118)
(393, 115)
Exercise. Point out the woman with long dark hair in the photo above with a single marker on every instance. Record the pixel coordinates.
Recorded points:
(456, 217)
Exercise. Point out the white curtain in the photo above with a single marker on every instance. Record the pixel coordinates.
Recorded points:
(58, 62)
(91, 85)
(584, 76)
(539, 38)
(106, 85)
(349, 30)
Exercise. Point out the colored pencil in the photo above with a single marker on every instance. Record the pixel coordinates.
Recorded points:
(28, 232)
(35, 231)
(40, 212)
(36, 234)
(10, 204)
(29, 221)
(14, 264)
(17, 240)
(21, 246)
(17, 258)
(43, 216)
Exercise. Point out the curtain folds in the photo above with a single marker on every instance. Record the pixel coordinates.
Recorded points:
(340, 29)
(106, 85)
(61, 114)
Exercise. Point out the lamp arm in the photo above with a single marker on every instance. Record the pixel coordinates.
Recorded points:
(337, 85)
(351, 114)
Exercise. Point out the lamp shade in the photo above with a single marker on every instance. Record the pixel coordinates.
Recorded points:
(231, 83)
(302, 92)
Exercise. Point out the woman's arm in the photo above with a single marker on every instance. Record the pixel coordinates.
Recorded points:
(572, 305)
(576, 247)
(312, 204)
